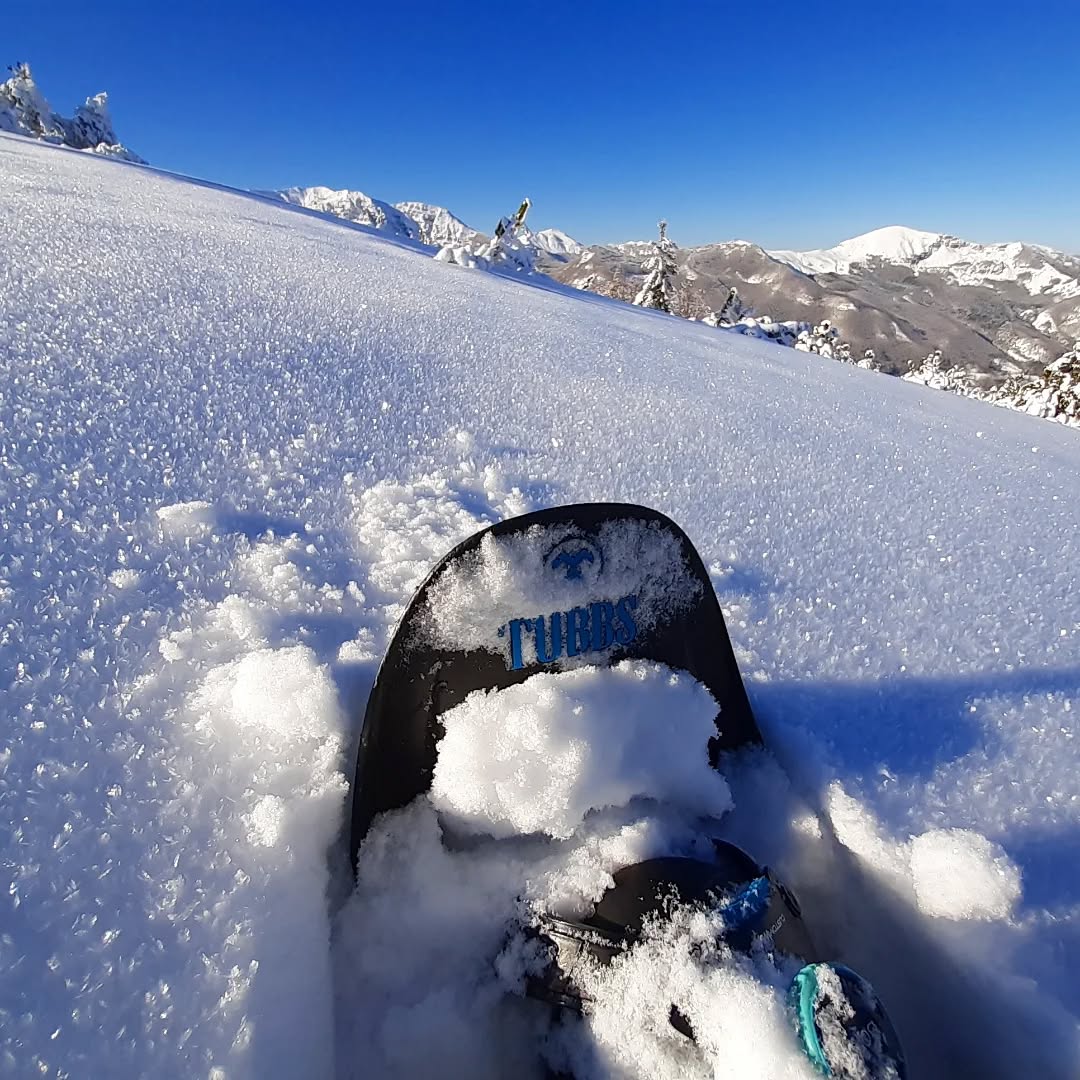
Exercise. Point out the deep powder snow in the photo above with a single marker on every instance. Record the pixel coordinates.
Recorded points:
(235, 436)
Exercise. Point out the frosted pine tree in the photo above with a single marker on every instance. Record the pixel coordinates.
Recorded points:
(732, 309)
(824, 339)
(24, 111)
(506, 250)
(507, 247)
(934, 372)
(1054, 395)
(658, 292)
(91, 126)
(23, 108)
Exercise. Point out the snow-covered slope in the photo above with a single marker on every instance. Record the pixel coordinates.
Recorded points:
(556, 242)
(1040, 271)
(234, 438)
(438, 226)
(354, 206)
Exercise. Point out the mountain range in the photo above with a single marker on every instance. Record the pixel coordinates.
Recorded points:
(992, 311)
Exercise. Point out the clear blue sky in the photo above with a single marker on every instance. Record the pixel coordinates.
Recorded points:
(791, 123)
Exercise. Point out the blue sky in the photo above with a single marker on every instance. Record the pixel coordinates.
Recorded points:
(793, 124)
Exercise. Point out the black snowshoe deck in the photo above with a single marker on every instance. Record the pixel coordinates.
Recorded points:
(600, 623)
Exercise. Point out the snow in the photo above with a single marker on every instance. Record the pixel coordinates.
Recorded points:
(959, 874)
(735, 1003)
(537, 757)
(557, 242)
(894, 243)
(438, 227)
(235, 437)
(963, 262)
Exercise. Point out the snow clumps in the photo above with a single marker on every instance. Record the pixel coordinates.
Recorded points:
(538, 756)
(960, 874)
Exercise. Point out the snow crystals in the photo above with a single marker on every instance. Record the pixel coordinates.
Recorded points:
(209, 526)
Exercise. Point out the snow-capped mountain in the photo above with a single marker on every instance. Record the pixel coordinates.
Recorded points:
(25, 111)
(353, 206)
(994, 310)
(556, 242)
(1041, 271)
(894, 243)
(438, 226)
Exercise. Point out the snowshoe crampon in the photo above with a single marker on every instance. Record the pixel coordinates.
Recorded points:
(596, 584)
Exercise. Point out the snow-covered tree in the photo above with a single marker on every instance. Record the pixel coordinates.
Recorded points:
(23, 108)
(732, 309)
(507, 247)
(24, 111)
(91, 126)
(824, 339)
(1054, 394)
(934, 372)
(658, 292)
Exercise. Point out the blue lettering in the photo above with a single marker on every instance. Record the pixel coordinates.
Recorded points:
(543, 653)
(578, 636)
(592, 628)
(603, 633)
(628, 631)
(516, 626)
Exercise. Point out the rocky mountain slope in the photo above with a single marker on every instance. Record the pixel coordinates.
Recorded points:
(352, 206)
(994, 310)
(438, 226)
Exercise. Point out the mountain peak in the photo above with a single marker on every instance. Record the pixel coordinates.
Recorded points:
(353, 206)
(437, 225)
(556, 242)
(893, 243)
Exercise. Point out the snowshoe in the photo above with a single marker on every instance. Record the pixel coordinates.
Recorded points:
(595, 585)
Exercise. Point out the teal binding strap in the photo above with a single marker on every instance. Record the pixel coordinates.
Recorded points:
(802, 997)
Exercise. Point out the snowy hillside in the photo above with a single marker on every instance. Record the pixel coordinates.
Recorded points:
(236, 436)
